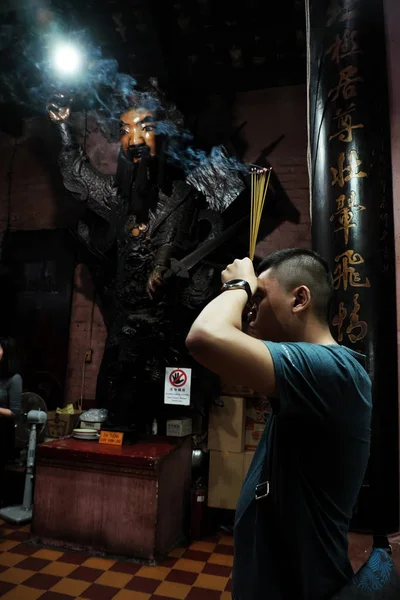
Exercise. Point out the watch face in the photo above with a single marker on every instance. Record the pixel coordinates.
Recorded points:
(235, 282)
(240, 284)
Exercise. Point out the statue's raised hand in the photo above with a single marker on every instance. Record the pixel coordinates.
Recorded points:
(59, 108)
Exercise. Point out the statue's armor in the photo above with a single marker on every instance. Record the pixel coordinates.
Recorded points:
(145, 335)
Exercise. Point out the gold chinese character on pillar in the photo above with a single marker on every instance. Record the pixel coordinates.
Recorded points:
(347, 84)
(357, 330)
(345, 213)
(344, 45)
(344, 121)
(339, 319)
(346, 274)
(344, 173)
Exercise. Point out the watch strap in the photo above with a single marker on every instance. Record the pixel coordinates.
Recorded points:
(238, 284)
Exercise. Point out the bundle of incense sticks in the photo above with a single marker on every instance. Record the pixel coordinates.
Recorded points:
(259, 186)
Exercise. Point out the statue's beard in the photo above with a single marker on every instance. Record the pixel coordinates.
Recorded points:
(137, 152)
(138, 182)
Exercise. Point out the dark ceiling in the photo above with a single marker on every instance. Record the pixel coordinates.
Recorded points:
(194, 47)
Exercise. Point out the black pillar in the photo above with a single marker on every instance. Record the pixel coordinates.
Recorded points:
(352, 211)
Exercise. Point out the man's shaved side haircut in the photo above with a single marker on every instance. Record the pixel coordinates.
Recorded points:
(293, 267)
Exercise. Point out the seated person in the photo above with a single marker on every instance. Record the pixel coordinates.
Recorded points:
(10, 404)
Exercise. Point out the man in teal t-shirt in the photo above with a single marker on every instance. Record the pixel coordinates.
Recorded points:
(292, 543)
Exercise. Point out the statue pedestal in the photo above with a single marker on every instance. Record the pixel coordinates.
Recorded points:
(129, 501)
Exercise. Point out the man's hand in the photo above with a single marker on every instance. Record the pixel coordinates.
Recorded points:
(155, 280)
(241, 269)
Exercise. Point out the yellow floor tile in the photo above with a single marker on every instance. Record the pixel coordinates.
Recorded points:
(211, 582)
(131, 595)
(221, 559)
(99, 563)
(71, 587)
(48, 554)
(59, 569)
(178, 591)
(154, 572)
(226, 540)
(193, 566)
(15, 575)
(177, 552)
(226, 596)
(22, 592)
(117, 580)
(203, 546)
(8, 545)
(10, 559)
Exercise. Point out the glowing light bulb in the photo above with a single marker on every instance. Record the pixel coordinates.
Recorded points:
(67, 59)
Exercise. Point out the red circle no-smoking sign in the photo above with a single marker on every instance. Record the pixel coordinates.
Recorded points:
(178, 378)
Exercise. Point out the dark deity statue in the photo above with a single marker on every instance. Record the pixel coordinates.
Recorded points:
(153, 210)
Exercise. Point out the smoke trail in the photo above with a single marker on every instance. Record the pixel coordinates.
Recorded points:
(99, 88)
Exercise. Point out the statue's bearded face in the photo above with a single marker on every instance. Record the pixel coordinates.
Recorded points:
(137, 130)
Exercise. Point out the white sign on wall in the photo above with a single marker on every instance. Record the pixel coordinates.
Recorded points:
(177, 386)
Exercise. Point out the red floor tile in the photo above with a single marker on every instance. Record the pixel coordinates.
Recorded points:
(197, 555)
(202, 594)
(219, 570)
(24, 549)
(41, 581)
(168, 562)
(33, 564)
(143, 584)
(55, 596)
(5, 587)
(100, 592)
(75, 558)
(86, 574)
(178, 576)
(125, 567)
(219, 549)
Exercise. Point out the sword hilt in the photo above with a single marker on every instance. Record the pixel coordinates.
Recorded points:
(177, 268)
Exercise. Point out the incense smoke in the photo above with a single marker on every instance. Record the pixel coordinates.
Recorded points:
(99, 89)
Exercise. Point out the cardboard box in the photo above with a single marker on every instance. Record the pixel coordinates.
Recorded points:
(248, 458)
(226, 476)
(253, 433)
(179, 427)
(257, 410)
(226, 425)
(231, 389)
(59, 425)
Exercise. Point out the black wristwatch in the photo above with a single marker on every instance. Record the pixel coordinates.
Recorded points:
(238, 284)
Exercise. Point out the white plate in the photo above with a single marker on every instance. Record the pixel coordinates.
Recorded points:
(87, 436)
(85, 431)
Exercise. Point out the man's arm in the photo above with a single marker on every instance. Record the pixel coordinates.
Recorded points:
(14, 388)
(6, 412)
(216, 340)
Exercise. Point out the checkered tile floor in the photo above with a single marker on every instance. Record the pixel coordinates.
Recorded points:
(200, 572)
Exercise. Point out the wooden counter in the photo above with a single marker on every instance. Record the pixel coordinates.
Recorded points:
(127, 500)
